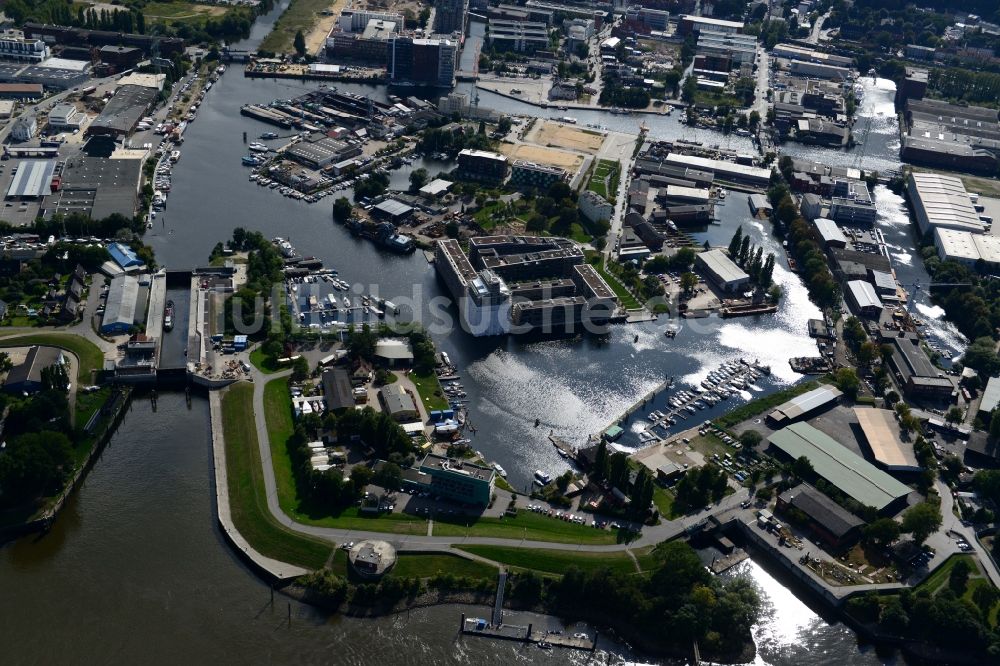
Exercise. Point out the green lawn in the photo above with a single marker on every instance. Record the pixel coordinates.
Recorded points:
(939, 577)
(627, 300)
(177, 12)
(427, 565)
(664, 501)
(554, 561)
(247, 496)
(430, 391)
(525, 525)
(604, 179)
(300, 15)
(264, 363)
(90, 355)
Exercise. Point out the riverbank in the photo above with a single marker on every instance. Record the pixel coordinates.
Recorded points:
(95, 422)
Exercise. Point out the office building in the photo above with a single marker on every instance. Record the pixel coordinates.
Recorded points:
(15, 46)
(459, 480)
(428, 62)
(449, 16)
(65, 117)
(519, 36)
(737, 47)
(482, 165)
(526, 174)
(594, 207)
(851, 203)
(24, 128)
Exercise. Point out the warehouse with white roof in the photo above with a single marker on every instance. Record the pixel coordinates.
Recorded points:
(32, 180)
(830, 233)
(862, 298)
(721, 270)
(967, 248)
(941, 202)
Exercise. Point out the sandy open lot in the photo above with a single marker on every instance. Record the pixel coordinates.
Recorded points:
(568, 137)
(557, 158)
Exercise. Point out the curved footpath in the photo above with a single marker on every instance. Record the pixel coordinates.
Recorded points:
(280, 570)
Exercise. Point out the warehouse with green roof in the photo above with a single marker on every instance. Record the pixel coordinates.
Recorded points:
(845, 470)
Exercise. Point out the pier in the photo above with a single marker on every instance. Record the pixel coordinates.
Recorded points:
(543, 638)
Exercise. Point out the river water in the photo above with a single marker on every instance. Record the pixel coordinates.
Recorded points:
(135, 564)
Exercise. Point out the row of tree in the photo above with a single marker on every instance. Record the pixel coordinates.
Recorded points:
(751, 259)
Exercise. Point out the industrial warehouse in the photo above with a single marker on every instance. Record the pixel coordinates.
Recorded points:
(844, 470)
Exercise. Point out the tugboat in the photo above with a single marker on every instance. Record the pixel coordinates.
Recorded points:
(168, 316)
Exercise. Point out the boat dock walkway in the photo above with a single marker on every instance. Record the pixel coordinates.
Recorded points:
(729, 561)
(498, 604)
(564, 447)
(543, 638)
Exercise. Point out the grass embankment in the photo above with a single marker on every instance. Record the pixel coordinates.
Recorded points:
(247, 496)
(422, 565)
(554, 561)
(526, 525)
(263, 362)
(90, 355)
(278, 415)
(430, 391)
(625, 297)
(300, 15)
(761, 405)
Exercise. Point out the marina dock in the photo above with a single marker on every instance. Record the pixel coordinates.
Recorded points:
(544, 639)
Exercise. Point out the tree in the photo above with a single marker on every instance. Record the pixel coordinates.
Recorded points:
(389, 476)
(750, 439)
(601, 462)
(881, 532)
(802, 468)
(300, 369)
(688, 282)
(848, 382)
(504, 124)
(958, 577)
(688, 89)
(342, 209)
(954, 415)
(734, 243)
(418, 178)
(299, 43)
(921, 520)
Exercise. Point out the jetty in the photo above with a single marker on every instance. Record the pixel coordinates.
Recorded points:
(543, 638)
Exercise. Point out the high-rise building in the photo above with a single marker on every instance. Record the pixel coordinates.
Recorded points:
(449, 16)
(428, 62)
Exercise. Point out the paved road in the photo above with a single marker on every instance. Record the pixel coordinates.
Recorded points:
(944, 542)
